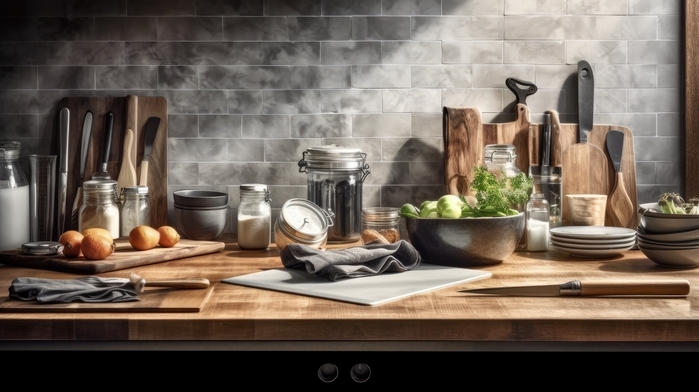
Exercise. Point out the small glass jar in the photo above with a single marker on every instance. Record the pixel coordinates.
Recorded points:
(381, 225)
(100, 207)
(501, 158)
(537, 223)
(254, 217)
(14, 198)
(135, 210)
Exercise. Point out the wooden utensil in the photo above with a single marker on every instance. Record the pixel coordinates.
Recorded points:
(127, 173)
(183, 283)
(585, 167)
(620, 210)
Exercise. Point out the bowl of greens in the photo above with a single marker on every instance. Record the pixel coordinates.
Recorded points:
(671, 214)
(470, 231)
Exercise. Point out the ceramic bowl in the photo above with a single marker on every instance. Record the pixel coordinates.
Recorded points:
(672, 258)
(189, 198)
(465, 242)
(201, 224)
(658, 223)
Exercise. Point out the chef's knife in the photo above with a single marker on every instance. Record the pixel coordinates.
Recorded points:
(103, 174)
(77, 202)
(546, 156)
(127, 173)
(591, 289)
(620, 211)
(64, 125)
(151, 130)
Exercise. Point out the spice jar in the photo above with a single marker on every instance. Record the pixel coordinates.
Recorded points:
(381, 225)
(301, 221)
(14, 198)
(537, 223)
(335, 178)
(135, 210)
(100, 208)
(254, 217)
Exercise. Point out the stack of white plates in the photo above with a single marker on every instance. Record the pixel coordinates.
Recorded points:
(593, 241)
(679, 250)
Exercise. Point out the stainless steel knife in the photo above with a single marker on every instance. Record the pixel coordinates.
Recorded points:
(103, 174)
(85, 144)
(592, 289)
(64, 125)
(151, 131)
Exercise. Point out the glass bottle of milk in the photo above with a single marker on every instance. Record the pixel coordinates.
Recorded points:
(14, 198)
(537, 223)
(254, 217)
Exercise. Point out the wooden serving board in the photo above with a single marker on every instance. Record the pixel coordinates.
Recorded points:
(465, 137)
(131, 111)
(152, 300)
(123, 257)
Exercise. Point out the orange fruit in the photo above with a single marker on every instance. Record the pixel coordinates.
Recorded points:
(96, 247)
(98, 231)
(168, 236)
(71, 241)
(144, 237)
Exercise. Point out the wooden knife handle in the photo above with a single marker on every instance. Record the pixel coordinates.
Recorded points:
(191, 283)
(143, 177)
(641, 287)
(127, 173)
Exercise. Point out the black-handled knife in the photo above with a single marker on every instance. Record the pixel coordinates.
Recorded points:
(103, 174)
(151, 131)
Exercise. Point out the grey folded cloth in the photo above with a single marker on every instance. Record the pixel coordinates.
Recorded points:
(352, 262)
(86, 289)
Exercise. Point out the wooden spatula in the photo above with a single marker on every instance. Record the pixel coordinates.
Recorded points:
(585, 167)
(620, 211)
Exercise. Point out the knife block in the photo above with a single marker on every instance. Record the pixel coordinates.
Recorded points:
(129, 111)
(465, 137)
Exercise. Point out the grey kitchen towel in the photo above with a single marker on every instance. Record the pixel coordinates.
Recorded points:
(85, 289)
(354, 262)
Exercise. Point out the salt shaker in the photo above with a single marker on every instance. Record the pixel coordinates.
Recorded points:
(254, 217)
(136, 209)
(537, 215)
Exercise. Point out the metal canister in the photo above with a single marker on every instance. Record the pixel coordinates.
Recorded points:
(335, 178)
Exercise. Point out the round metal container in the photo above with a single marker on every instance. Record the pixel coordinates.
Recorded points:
(302, 222)
(335, 178)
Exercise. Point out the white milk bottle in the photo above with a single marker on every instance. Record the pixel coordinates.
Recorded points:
(14, 198)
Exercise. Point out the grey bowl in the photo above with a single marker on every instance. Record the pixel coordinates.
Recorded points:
(465, 242)
(201, 224)
(199, 198)
(659, 223)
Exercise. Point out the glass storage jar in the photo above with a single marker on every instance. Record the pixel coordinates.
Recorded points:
(14, 198)
(537, 223)
(381, 225)
(335, 178)
(100, 208)
(301, 221)
(254, 217)
(135, 210)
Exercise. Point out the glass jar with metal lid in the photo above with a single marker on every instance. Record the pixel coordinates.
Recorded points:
(100, 208)
(501, 157)
(301, 221)
(254, 217)
(335, 178)
(381, 225)
(135, 210)
(14, 198)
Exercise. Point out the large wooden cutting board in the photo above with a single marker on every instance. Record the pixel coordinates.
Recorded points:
(131, 111)
(123, 257)
(152, 300)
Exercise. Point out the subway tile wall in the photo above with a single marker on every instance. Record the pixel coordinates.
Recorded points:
(251, 84)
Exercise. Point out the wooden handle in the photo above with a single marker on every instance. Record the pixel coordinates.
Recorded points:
(127, 173)
(190, 283)
(143, 177)
(652, 287)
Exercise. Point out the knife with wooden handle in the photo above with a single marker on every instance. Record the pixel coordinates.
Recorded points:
(590, 288)
(127, 173)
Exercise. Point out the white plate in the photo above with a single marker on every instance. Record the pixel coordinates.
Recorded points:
(598, 245)
(593, 253)
(593, 232)
(584, 241)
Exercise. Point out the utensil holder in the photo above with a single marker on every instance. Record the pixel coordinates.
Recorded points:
(42, 196)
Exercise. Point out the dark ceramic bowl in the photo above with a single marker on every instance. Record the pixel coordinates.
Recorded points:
(190, 198)
(199, 223)
(465, 242)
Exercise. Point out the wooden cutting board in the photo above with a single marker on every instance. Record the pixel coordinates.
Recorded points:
(123, 257)
(152, 300)
(465, 138)
(129, 111)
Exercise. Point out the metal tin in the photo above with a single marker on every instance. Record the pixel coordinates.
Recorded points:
(302, 221)
(42, 248)
(335, 177)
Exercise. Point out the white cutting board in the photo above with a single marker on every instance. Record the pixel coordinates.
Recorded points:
(368, 290)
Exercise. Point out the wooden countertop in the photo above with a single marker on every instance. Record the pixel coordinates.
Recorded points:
(244, 315)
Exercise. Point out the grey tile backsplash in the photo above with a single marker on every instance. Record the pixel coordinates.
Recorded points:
(251, 84)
